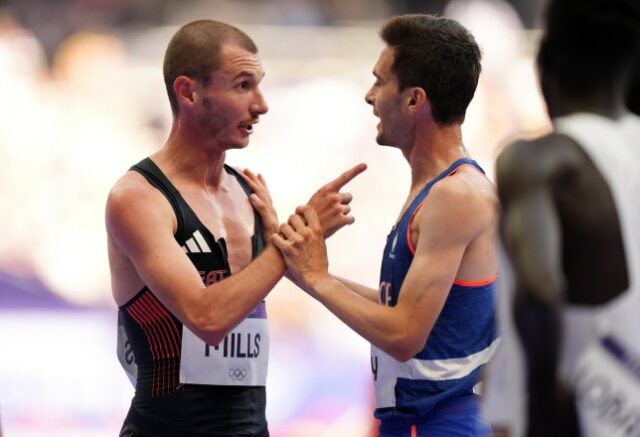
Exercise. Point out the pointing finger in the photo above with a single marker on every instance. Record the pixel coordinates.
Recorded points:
(345, 177)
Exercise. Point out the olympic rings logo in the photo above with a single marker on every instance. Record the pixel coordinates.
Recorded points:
(237, 374)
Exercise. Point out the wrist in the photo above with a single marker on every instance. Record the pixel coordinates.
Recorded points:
(320, 285)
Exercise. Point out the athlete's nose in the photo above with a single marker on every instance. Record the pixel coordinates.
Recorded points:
(260, 106)
(369, 97)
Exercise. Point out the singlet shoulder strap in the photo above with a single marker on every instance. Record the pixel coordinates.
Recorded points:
(443, 174)
(258, 238)
(152, 173)
(418, 201)
(456, 166)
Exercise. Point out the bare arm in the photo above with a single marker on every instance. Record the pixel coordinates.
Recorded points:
(446, 228)
(366, 292)
(141, 226)
(530, 222)
(531, 230)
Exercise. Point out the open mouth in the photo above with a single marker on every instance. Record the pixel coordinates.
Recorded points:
(247, 128)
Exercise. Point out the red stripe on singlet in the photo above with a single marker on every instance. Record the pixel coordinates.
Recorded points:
(141, 320)
(173, 333)
(156, 387)
(169, 335)
(414, 432)
(158, 329)
(158, 382)
(174, 336)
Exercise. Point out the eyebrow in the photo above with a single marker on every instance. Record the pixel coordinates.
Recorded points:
(248, 73)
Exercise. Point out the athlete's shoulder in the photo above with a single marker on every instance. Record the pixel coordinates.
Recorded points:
(131, 191)
(133, 203)
(465, 200)
(468, 188)
(527, 164)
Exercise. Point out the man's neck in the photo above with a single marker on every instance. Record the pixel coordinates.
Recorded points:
(191, 159)
(605, 101)
(435, 148)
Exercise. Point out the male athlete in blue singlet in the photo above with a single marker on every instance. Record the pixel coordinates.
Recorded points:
(188, 267)
(431, 322)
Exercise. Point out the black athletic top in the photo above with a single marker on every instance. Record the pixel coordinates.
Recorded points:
(162, 406)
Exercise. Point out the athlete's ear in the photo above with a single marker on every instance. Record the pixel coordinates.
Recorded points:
(183, 87)
(416, 99)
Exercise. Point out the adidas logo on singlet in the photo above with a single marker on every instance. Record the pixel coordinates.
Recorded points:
(196, 244)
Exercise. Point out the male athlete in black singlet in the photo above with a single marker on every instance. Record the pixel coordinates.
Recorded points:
(189, 267)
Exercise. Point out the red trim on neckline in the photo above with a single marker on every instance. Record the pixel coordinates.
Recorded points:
(413, 216)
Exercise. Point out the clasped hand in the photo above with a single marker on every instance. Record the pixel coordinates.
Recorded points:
(302, 239)
(302, 243)
(331, 206)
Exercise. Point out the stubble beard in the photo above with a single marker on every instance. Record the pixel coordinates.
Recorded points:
(383, 139)
(212, 122)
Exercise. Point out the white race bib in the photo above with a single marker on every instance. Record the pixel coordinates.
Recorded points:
(125, 355)
(241, 358)
(383, 367)
(607, 382)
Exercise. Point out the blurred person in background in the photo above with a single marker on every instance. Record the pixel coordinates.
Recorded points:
(633, 97)
(186, 237)
(571, 225)
(431, 323)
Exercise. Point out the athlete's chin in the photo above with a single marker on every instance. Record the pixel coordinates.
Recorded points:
(237, 144)
(383, 141)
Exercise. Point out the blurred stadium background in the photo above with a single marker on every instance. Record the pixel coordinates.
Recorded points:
(82, 98)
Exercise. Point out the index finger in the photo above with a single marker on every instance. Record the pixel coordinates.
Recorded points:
(345, 177)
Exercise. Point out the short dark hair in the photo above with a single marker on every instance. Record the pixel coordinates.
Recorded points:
(194, 51)
(438, 55)
(589, 43)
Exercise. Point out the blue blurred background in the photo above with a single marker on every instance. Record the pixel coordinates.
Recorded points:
(82, 98)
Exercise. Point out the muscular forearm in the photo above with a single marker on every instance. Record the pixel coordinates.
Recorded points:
(383, 326)
(228, 302)
(366, 292)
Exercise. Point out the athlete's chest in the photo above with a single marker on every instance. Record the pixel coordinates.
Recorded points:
(228, 215)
